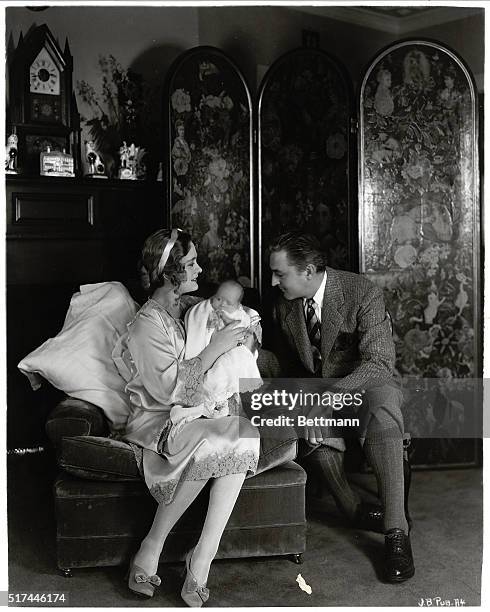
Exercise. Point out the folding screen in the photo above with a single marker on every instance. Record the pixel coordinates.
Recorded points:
(304, 115)
(419, 228)
(210, 160)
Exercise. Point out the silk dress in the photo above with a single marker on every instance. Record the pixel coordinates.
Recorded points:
(169, 453)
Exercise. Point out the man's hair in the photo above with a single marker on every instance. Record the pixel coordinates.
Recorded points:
(301, 249)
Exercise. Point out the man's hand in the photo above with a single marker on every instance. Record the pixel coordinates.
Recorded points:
(315, 434)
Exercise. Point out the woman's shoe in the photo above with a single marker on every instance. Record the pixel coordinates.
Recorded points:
(193, 593)
(139, 582)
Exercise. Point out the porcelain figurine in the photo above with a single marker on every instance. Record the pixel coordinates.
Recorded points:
(11, 153)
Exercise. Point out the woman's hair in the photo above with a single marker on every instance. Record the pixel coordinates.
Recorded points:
(152, 275)
(301, 249)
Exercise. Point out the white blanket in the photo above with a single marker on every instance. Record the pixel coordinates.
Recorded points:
(235, 371)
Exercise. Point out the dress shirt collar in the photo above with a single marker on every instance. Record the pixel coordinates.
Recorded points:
(318, 297)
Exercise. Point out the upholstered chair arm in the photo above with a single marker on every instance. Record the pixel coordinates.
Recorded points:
(74, 417)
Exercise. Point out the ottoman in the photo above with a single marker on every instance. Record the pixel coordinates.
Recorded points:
(103, 508)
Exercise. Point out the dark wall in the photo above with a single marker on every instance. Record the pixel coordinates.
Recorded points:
(146, 39)
(256, 36)
(240, 31)
(149, 38)
(467, 38)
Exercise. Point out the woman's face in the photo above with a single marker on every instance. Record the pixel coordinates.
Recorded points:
(191, 271)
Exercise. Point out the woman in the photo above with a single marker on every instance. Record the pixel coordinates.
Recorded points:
(178, 459)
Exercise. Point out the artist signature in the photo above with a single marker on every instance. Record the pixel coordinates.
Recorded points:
(439, 601)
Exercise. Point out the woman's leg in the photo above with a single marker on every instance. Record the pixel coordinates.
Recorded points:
(222, 497)
(166, 516)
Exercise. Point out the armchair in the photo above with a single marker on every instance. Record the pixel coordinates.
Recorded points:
(103, 507)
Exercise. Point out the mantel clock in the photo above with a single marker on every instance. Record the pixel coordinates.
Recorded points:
(42, 105)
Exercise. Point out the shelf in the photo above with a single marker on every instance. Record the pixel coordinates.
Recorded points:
(86, 182)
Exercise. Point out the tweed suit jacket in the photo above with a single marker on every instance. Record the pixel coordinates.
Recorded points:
(357, 347)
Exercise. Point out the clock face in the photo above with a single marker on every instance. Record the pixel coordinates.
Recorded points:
(44, 76)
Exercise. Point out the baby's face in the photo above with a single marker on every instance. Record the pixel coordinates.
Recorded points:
(227, 298)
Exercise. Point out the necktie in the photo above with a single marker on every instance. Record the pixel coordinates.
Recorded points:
(314, 334)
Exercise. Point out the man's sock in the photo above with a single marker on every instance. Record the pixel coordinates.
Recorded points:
(329, 462)
(384, 451)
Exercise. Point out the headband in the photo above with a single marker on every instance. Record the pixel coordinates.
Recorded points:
(168, 247)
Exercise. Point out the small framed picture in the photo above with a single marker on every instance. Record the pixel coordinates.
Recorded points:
(33, 141)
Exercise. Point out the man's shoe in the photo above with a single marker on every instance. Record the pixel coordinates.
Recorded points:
(398, 556)
(369, 517)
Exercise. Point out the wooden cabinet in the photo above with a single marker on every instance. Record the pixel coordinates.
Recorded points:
(62, 233)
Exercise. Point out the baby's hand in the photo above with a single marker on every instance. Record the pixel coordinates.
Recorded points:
(254, 323)
(253, 335)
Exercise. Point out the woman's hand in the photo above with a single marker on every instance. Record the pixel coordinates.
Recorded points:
(229, 337)
(222, 341)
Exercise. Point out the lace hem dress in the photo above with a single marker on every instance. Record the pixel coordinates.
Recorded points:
(161, 379)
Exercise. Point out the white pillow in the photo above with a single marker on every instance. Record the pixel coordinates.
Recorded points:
(79, 360)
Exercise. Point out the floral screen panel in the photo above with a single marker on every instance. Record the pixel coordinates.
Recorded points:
(419, 228)
(210, 184)
(304, 113)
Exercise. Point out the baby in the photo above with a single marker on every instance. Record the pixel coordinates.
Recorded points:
(222, 380)
(227, 308)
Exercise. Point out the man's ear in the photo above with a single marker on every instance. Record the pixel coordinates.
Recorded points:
(310, 270)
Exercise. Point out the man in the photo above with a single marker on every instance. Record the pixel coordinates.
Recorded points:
(333, 324)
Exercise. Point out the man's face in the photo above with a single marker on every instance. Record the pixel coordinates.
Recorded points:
(292, 282)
